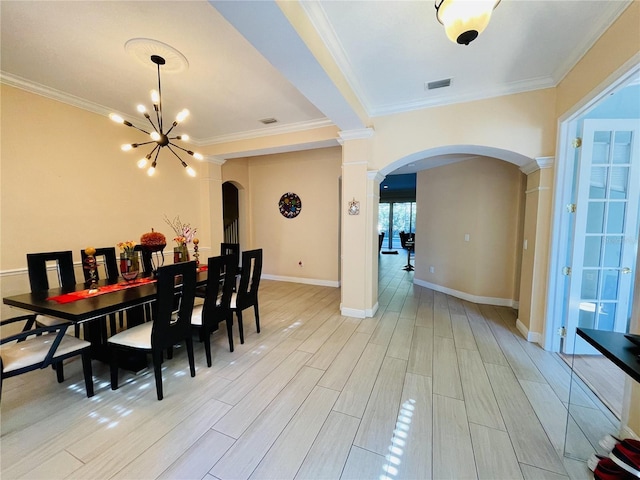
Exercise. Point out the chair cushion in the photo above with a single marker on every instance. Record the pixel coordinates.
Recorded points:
(234, 298)
(34, 350)
(47, 321)
(134, 337)
(196, 315)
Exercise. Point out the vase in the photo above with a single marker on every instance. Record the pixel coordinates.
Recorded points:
(180, 254)
(129, 265)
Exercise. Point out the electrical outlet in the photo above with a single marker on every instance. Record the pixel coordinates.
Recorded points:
(432, 269)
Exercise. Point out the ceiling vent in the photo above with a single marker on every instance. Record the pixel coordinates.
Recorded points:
(269, 121)
(438, 84)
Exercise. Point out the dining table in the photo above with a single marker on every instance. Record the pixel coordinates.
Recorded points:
(81, 305)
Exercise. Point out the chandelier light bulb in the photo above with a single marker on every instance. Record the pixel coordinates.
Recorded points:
(141, 108)
(143, 162)
(116, 118)
(191, 171)
(155, 97)
(155, 136)
(197, 156)
(183, 137)
(126, 147)
(151, 171)
(182, 115)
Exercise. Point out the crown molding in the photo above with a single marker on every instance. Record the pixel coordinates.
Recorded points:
(357, 134)
(537, 164)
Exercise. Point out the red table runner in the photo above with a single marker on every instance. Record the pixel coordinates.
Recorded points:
(82, 294)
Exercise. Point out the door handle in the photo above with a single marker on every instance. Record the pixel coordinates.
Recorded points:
(625, 270)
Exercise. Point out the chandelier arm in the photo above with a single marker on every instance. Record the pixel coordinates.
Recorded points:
(146, 115)
(183, 149)
(173, 125)
(172, 151)
(144, 143)
(139, 129)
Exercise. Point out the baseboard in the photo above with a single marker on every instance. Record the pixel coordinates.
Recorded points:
(626, 432)
(533, 337)
(500, 302)
(358, 313)
(307, 281)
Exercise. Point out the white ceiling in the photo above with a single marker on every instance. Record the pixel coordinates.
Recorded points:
(246, 61)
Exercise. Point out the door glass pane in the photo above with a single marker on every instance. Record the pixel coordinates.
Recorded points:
(589, 284)
(587, 315)
(612, 251)
(615, 217)
(598, 182)
(383, 218)
(610, 280)
(595, 217)
(622, 147)
(606, 316)
(601, 142)
(592, 247)
(619, 182)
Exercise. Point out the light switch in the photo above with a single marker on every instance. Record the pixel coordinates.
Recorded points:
(525, 244)
(466, 237)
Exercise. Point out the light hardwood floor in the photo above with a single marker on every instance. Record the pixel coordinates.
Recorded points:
(431, 387)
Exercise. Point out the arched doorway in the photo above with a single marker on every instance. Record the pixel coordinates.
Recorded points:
(230, 213)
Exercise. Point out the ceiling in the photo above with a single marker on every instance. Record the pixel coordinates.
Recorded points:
(246, 61)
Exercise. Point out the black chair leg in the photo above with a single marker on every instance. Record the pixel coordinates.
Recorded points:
(170, 353)
(240, 329)
(114, 369)
(88, 373)
(255, 309)
(205, 337)
(230, 330)
(59, 372)
(192, 362)
(157, 370)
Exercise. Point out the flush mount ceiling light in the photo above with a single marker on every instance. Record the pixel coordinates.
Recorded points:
(464, 20)
(159, 136)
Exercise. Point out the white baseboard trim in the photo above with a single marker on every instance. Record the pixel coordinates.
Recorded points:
(357, 313)
(500, 302)
(352, 312)
(533, 337)
(626, 432)
(307, 281)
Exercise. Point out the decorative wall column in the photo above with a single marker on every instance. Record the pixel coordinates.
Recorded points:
(358, 285)
(210, 225)
(535, 253)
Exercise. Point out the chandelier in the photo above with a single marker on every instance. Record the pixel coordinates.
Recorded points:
(464, 20)
(159, 136)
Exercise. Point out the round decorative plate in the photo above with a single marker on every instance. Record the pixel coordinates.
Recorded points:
(290, 205)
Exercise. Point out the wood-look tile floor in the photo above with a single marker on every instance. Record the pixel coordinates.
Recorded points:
(431, 387)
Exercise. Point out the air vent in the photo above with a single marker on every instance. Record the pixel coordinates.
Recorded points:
(438, 84)
(268, 121)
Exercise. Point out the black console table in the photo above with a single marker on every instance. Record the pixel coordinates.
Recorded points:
(616, 347)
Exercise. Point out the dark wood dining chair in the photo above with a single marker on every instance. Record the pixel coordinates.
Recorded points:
(34, 349)
(37, 266)
(221, 277)
(231, 249)
(247, 292)
(106, 257)
(176, 286)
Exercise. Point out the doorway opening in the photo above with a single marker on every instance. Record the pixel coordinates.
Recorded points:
(230, 213)
(595, 239)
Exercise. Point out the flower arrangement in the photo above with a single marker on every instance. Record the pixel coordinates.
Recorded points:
(185, 233)
(127, 247)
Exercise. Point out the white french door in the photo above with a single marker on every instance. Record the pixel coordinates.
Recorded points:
(605, 234)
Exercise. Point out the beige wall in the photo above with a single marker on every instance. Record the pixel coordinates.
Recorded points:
(312, 236)
(482, 198)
